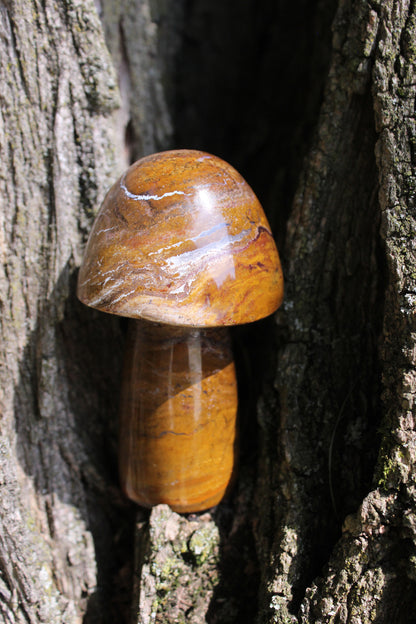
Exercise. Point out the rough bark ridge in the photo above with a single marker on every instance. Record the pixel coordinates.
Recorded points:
(143, 38)
(348, 325)
(59, 92)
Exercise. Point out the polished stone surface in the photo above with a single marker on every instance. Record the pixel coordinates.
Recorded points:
(182, 239)
(182, 242)
(177, 416)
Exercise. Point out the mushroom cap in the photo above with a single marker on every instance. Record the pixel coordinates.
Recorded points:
(182, 239)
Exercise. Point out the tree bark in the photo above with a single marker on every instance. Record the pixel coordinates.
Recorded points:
(345, 374)
(321, 524)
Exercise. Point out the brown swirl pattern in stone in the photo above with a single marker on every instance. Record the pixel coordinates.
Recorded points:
(182, 239)
(177, 417)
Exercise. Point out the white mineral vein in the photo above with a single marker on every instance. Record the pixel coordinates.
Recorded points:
(146, 197)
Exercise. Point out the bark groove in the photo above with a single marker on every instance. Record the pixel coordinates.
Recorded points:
(345, 374)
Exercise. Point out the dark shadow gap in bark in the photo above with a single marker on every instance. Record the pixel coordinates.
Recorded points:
(250, 79)
(357, 307)
(336, 451)
(397, 604)
(235, 597)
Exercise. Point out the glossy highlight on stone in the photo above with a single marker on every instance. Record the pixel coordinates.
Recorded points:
(182, 239)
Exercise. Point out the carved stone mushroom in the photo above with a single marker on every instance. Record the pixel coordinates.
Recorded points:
(182, 243)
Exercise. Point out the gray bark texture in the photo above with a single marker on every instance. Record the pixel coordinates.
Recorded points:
(345, 375)
(65, 527)
(321, 525)
(58, 100)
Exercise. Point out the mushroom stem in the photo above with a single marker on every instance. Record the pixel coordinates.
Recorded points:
(177, 416)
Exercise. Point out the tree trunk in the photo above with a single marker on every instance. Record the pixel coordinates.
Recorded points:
(65, 527)
(345, 379)
(321, 525)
